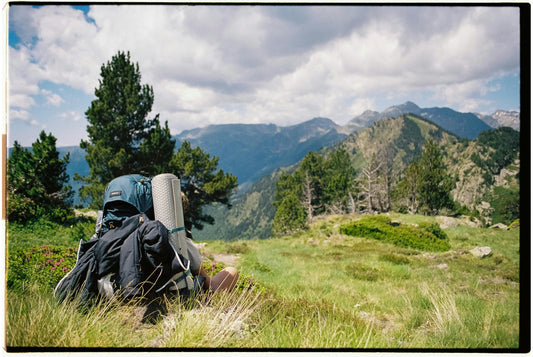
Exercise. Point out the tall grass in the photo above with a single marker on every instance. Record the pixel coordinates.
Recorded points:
(37, 320)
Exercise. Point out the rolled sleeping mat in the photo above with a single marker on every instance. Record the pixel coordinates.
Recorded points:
(168, 209)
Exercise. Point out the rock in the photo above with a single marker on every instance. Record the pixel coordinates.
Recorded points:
(447, 222)
(481, 252)
(499, 226)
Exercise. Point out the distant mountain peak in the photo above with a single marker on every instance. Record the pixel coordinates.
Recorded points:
(465, 125)
(409, 106)
(319, 121)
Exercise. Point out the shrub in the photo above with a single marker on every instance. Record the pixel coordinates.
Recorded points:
(21, 209)
(43, 266)
(434, 229)
(83, 229)
(427, 237)
(60, 214)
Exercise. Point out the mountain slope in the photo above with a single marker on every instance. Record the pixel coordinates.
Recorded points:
(250, 151)
(404, 138)
(502, 118)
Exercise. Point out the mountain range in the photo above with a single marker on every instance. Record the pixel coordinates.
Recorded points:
(250, 151)
(465, 125)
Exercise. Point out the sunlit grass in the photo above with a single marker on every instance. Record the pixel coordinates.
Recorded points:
(320, 289)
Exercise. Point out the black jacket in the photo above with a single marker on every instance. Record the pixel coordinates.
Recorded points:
(137, 254)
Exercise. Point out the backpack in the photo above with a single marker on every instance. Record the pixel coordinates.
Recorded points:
(126, 196)
(130, 195)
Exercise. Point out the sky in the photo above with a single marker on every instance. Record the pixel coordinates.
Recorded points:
(214, 64)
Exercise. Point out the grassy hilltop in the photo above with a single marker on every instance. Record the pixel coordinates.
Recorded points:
(317, 288)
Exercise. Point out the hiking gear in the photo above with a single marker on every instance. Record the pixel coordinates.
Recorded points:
(126, 196)
(135, 259)
(166, 192)
(130, 250)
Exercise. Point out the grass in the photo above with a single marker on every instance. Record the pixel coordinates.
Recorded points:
(322, 289)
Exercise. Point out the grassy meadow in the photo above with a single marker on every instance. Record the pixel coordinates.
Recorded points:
(314, 289)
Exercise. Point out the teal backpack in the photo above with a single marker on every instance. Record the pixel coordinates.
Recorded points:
(126, 196)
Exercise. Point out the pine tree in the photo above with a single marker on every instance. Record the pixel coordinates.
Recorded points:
(426, 184)
(156, 151)
(118, 126)
(51, 170)
(202, 183)
(338, 180)
(434, 184)
(37, 182)
(124, 140)
(290, 215)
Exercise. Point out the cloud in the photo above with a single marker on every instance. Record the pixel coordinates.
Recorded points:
(280, 64)
(23, 115)
(21, 101)
(71, 116)
(52, 98)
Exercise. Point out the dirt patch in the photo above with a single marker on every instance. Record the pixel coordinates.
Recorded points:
(86, 214)
(227, 259)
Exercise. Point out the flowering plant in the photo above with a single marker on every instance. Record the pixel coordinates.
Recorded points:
(43, 266)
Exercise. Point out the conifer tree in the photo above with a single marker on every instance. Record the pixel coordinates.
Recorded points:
(124, 140)
(201, 182)
(50, 169)
(426, 184)
(37, 182)
(121, 135)
(435, 184)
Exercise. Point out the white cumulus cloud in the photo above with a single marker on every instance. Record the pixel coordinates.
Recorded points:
(281, 64)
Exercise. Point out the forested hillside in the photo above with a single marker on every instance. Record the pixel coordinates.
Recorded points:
(484, 173)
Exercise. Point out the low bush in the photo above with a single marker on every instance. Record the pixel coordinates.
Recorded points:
(22, 209)
(42, 266)
(424, 237)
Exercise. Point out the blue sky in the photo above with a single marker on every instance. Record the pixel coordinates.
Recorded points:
(259, 64)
